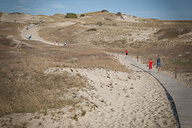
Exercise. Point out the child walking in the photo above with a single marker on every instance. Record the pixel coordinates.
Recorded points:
(150, 64)
(126, 53)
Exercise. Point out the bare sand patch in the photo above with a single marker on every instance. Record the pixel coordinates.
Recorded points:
(110, 99)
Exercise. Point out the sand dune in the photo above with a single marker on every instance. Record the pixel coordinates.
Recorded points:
(111, 99)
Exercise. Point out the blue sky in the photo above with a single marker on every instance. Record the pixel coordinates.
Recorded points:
(159, 9)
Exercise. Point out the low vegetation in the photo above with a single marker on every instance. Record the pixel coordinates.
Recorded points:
(172, 33)
(82, 15)
(181, 63)
(104, 10)
(92, 29)
(25, 87)
(71, 15)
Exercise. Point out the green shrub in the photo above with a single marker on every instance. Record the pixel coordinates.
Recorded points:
(71, 15)
(82, 15)
(92, 29)
(118, 14)
(104, 11)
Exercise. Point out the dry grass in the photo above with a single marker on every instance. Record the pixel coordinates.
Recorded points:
(10, 29)
(24, 87)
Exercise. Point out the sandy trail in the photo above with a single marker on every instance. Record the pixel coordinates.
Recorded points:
(33, 31)
(111, 99)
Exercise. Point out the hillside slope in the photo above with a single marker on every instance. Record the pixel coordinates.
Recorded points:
(67, 84)
(143, 37)
(146, 38)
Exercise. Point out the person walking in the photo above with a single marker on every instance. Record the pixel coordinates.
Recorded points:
(55, 42)
(126, 52)
(150, 64)
(159, 62)
(29, 37)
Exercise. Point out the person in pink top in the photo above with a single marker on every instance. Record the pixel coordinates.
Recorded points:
(150, 64)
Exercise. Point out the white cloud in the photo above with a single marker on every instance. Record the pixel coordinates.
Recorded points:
(24, 1)
(57, 6)
(33, 1)
(20, 8)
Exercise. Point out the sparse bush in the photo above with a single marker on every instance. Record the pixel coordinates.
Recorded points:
(114, 24)
(74, 60)
(0, 15)
(82, 15)
(118, 14)
(83, 113)
(104, 10)
(71, 15)
(92, 29)
(99, 24)
(172, 33)
(107, 19)
(75, 117)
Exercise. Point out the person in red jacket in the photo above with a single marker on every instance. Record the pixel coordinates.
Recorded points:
(150, 64)
(126, 52)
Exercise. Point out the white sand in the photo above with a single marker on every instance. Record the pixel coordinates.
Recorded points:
(112, 99)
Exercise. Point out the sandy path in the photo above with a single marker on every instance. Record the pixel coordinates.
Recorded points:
(33, 31)
(112, 99)
(125, 100)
